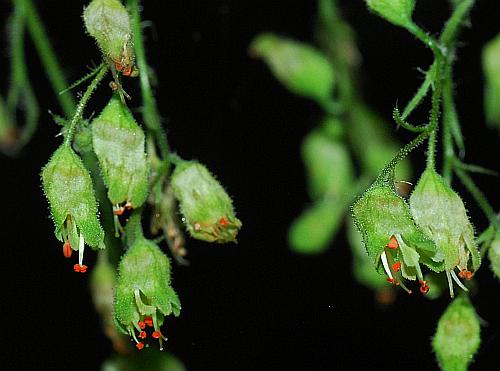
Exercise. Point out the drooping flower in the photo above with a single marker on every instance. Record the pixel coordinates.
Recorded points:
(394, 243)
(69, 190)
(144, 296)
(441, 215)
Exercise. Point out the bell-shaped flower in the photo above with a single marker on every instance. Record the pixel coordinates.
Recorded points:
(394, 243)
(206, 207)
(441, 215)
(143, 294)
(68, 187)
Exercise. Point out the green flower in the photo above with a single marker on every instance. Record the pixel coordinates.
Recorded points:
(441, 215)
(143, 294)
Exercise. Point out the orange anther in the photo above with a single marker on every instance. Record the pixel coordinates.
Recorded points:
(223, 221)
(156, 334)
(142, 325)
(83, 268)
(119, 211)
(466, 274)
(67, 250)
(139, 345)
(77, 268)
(127, 71)
(143, 335)
(148, 321)
(118, 66)
(391, 280)
(393, 243)
(396, 266)
(424, 288)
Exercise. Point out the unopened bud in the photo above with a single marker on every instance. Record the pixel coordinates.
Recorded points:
(301, 68)
(457, 336)
(491, 68)
(207, 209)
(398, 12)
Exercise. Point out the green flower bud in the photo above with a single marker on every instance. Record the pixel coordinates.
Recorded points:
(8, 132)
(315, 228)
(491, 69)
(328, 165)
(119, 145)
(143, 293)
(372, 143)
(398, 12)
(149, 360)
(301, 68)
(392, 240)
(69, 190)
(206, 207)
(457, 336)
(441, 215)
(108, 22)
(494, 255)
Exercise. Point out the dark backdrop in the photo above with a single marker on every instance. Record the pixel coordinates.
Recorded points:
(254, 305)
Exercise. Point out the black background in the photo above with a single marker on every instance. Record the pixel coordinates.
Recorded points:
(254, 305)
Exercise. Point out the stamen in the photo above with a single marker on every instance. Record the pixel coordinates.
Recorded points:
(83, 268)
(81, 247)
(77, 268)
(223, 221)
(450, 284)
(393, 243)
(142, 325)
(406, 288)
(143, 335)
(459, 283)
(386, 265)
(148, 321)
(424, 288)
(139, 345)
(67, 250)
(465, 274)
(156, 334)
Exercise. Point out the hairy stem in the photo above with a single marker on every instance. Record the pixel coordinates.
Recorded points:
(103, 69)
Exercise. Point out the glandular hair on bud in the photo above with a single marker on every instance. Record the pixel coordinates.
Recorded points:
(398, 12)
(206, 207)
(118, 142)
(301, 68)
(457, 336)
(108, 22)
(70, 192)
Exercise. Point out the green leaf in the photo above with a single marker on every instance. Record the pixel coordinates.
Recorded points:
(398, 12)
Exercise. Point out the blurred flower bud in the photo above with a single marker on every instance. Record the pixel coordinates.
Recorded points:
(491, 69)
(328, 165)
(108, 22)
(119, 145)
(8, 132)
(393, 242)
(301, 68)
(494, 255)
(457, 336)
(143, 293)
(441, 215)
(69, 190)
(372, 143)
(398, 12)
(150, 360)
(206, 207)
(315, 228)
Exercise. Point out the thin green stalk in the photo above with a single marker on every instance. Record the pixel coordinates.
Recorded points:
(434, 115)
(421, 92)
(450, 31)
(428, 40)
(149, 110)
(47, 56)
(103, 69)
(478, 196)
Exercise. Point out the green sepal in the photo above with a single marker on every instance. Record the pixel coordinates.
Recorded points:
(328, 165)
(108, 22)
(494, 255)
(398, 12)
(301, 68)
(118, 142)
(68, 187)
(457, 336)
(143, 287)
(491, 70)
(362, 266)
(380, 214)
(442, 216)
(207, 209)
(313, 230)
